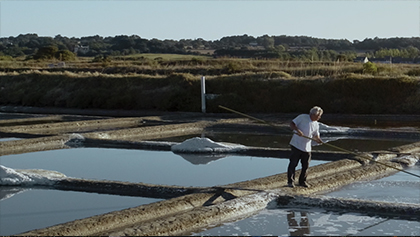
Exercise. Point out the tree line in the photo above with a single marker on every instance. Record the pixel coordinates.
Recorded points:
(284, 47)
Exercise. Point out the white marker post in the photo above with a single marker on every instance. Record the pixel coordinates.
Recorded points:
(203, 94)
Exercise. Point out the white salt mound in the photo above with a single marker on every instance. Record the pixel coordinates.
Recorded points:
(205, 145)
(323, 128)
(9, 176)
(408, 160)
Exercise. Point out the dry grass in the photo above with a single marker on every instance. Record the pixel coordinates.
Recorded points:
(171, 83)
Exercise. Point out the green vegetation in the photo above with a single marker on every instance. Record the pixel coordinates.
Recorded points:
(166, 57)
(370, 68)
(52, 52)
(292, 48)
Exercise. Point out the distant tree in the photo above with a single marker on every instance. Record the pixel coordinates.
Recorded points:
(65, 55)
(234, 41)
(342, 58)
(101, 59)
(26, 40)
(29, 44)
(311, 54)
(326, 55)
(370, 68)
(47, 52)
(266, 41)
(413, 52)
(122, 42)
(280, 48)
(141, 45)
(156, 46)
(34, 44)
(13, 50)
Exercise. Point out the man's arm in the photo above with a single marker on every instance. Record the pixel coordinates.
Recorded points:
(298, 132)
(295, 129)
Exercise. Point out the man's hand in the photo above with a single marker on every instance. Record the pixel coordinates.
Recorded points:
(318, 139)
(298, 132)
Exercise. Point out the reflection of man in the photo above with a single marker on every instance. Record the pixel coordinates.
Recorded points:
(294, 228)
(303, 125)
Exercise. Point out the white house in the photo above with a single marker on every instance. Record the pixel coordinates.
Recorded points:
(361, 60)
(80, 48)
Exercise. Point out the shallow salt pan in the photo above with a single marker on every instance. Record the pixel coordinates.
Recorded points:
(27, 209)
(313, 222)
(152, 167)
(397, 188)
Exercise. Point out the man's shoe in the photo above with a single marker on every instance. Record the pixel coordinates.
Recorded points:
(291, 185)
(304, 184)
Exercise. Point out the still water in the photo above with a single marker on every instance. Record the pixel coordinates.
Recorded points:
(30, 209)
(398, 188)
(153, 167)
(279, 221)
(27, 209)
(314, 222)
(4, 139)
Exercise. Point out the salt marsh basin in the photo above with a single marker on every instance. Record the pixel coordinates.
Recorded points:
(104, 139)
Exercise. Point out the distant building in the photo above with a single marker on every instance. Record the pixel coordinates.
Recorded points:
(416, 60)
(402, 60)
(386, 60)
(361, 60)
(58, 65)
(299, 48)
(80, 48)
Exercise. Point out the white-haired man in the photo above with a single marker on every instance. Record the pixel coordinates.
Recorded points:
(303, 125)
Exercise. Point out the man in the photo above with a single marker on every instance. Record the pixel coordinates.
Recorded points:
(304, 126)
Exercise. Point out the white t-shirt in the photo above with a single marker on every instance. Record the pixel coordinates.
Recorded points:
(309, 128)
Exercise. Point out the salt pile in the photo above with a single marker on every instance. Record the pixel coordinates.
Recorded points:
(408, 160)
(332, 133)
(323, 128)
(75, 140)
(12, 177)
(205, 145)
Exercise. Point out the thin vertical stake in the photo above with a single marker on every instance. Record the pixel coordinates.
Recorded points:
(203, 94)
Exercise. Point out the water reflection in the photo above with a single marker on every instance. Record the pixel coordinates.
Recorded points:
(314, 222)
(301, 228)
(201, 159)
(8, 192)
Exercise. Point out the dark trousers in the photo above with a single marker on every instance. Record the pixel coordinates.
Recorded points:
(305, 158)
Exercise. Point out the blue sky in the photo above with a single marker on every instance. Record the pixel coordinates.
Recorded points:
(211, 19)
